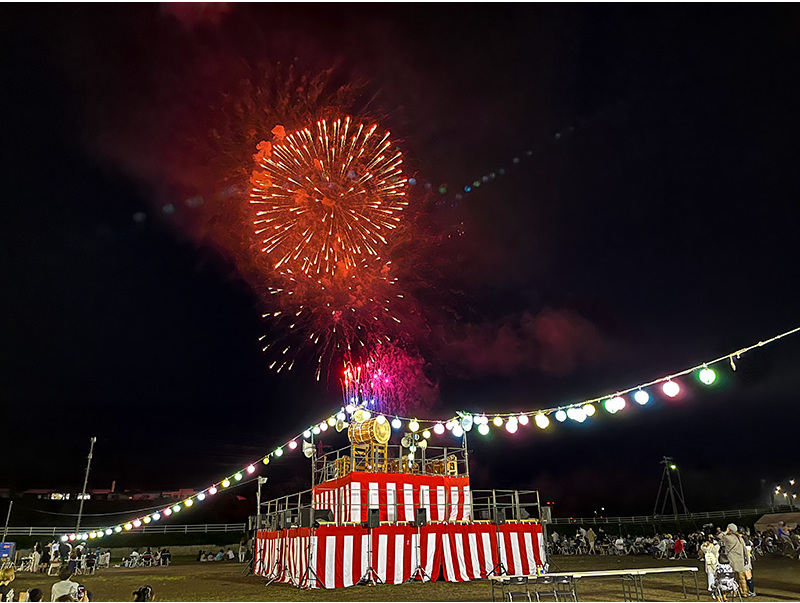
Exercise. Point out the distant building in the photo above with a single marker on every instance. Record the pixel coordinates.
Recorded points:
(103, 494)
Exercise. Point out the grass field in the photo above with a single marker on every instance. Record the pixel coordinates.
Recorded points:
(776, 579)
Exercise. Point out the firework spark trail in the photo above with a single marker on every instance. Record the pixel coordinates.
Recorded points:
(328, 198)
(342, 317)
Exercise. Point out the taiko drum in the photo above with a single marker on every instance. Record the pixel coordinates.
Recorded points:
(369, 431)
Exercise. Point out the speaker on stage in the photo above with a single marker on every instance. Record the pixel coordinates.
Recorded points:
(289, 519)
(323, 516)
(420, 517)
(373, 518)
(546, 514)
(311, 518)
(499, 516)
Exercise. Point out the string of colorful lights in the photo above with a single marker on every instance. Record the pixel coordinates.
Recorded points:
(457, 425)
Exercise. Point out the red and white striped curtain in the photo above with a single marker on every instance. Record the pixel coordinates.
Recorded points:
(396, 495)
(339, 555)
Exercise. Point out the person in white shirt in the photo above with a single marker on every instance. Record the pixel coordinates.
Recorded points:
(65, 586)
(710, 550)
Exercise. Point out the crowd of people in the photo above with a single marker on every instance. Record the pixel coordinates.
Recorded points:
(66, 589)
(147, 558)
(71, 561)
(223, 555)
(727, 554)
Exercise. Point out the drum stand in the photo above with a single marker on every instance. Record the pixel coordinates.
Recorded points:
(370, 577)
(419, 572)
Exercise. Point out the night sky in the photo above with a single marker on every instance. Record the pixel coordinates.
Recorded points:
(653, 226)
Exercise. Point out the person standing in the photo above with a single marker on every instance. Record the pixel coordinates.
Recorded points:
(590, 538)
(37, 557)
(242, 551)
(748, 564)
(737, 555)
(710, 550)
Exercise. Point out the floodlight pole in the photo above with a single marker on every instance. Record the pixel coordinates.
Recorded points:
(85, 481)
(669, 466)
(261, 482)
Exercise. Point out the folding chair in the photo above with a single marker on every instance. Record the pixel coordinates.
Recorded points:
(520, 583)
(544, 586)
(564, 589)
(54, 565)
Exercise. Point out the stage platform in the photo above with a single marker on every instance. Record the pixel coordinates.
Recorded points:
(337, 556)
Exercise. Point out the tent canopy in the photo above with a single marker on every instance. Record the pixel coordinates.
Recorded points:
(772, 520)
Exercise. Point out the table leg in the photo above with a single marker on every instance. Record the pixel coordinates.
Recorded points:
(696, 587)
(683, 586)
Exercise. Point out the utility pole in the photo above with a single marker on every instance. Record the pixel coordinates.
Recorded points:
(8, 517)
(85, 481)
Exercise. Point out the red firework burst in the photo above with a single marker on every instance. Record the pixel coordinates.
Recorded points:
(328, 197)
(391, 380)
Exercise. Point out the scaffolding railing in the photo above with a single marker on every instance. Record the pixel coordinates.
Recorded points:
(189, 528)
(445, 505)
(432, 460)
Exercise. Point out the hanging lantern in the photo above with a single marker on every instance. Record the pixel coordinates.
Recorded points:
(671, 388)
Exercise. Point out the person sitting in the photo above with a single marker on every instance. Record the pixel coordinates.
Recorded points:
(229, 554)
(724, 580)
(144, 593)
(73, 560)
(34, 594)
(220, 556)
(147, 558)
(6, 578)
(201, 556)
(65, 586)
(210, 557)
(133, 559)
(64, 551)
(165, 557)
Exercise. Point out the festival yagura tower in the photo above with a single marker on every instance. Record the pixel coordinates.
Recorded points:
(381, 512)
